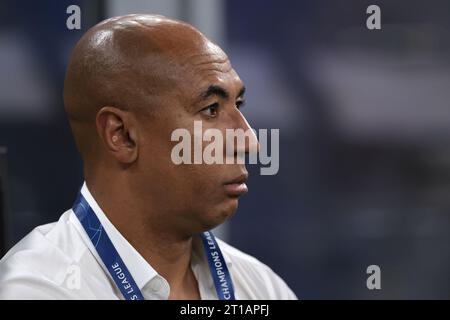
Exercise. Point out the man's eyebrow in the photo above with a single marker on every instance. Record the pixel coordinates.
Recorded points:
(216, 90)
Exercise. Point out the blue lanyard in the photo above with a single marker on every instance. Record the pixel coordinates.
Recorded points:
(218, 267)
(119, 271)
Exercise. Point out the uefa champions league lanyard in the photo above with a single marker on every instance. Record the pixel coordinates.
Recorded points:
(119, 271)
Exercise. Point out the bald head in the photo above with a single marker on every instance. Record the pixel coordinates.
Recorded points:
(130, 63)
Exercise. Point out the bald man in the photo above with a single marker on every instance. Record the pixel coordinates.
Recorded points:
(139, 228)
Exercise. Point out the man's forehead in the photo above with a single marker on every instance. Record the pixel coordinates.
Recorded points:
(208, 65)
(203, 52)
(211, 64)
(214, 49)
(225, 85)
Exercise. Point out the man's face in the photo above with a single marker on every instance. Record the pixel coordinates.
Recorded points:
(196, 196)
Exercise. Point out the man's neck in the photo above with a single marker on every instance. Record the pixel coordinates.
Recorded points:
(167, 252)
(171, 259)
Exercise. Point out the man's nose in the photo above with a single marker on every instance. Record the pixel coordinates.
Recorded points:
(248, 144)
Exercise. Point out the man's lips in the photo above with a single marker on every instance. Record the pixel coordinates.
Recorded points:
(237, 186)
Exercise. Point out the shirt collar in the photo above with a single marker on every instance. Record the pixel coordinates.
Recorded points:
(139, 268)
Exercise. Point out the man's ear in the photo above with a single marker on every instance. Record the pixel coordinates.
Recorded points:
(118, 131)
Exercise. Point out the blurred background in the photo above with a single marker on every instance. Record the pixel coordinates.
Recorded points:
(364, 121)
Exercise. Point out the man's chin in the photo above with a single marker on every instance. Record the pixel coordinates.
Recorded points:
(221, 213)
(229, 208)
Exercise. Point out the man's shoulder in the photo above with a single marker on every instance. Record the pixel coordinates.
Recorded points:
(260, 280)
(42, 259)
(58, 240)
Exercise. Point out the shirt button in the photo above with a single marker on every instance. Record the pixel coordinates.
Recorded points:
(156, 284)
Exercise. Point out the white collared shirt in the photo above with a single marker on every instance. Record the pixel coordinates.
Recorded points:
(59, 261)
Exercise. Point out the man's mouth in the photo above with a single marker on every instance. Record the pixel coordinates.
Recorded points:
(237, 186)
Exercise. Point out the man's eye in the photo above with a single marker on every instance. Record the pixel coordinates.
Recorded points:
(211, 111)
